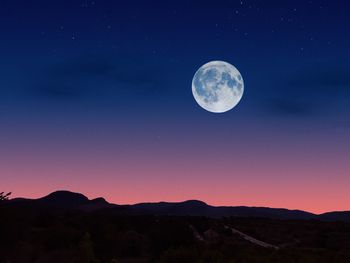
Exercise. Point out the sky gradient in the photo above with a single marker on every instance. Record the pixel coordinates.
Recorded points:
(95, 97)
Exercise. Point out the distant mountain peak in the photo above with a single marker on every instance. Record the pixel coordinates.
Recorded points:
(195, 202)
(99, 200)
(64, 198)
(71, 200)
(65, 194)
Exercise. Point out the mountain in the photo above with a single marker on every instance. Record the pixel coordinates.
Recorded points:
(336, 216)
(190, 207)
(96, 204)
(63, 200)
(199, 208)
(66, 200)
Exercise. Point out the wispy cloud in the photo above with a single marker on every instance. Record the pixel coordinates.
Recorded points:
(84, 76)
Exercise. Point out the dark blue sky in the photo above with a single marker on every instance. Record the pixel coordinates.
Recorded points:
(79, 72)
(109, 55)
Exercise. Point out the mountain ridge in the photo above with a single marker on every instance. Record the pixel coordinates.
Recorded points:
(64, 200)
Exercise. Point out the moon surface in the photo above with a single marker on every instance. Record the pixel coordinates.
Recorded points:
(217, 86)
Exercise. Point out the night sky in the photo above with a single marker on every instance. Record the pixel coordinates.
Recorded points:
(95, 97)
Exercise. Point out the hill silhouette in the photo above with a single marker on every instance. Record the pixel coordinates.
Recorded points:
(69, 227)
(66, 200)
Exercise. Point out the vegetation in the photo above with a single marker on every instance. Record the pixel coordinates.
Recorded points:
(38, 235)
(4, 197)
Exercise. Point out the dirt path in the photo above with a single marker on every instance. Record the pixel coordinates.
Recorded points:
(252, 239)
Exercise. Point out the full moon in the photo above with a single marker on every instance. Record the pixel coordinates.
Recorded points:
(217, 86)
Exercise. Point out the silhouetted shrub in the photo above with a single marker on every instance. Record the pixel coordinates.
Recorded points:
(4, 196)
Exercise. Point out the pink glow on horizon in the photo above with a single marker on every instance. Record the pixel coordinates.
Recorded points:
(322, 199)
(251, 183)
(294, 174)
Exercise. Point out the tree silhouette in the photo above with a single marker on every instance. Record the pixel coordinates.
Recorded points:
(4, 197)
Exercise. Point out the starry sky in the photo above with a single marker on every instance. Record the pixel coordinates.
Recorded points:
(95, 97)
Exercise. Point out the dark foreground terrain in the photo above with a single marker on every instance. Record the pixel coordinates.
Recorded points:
(52, 231)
